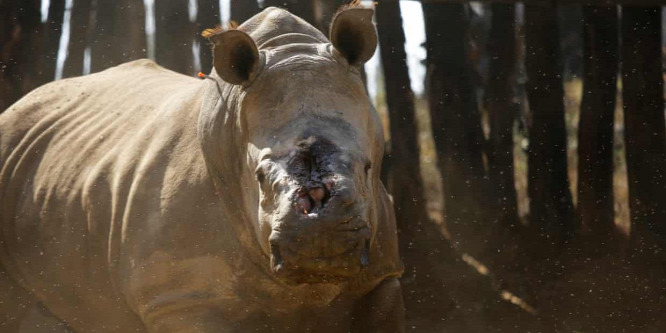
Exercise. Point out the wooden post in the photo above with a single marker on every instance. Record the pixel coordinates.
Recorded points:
(551, 207)
(208, 16)
(502, 111)
(81, 30)
(21, 50)
(119, 33)
(241, 10)
(52, 32)
(325, 11)
(404, 181)
(643, 96)
(8, 40)
(456, 124)
(174, 36)
(595, 130)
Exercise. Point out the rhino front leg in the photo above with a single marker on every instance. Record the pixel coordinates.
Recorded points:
(382, 310)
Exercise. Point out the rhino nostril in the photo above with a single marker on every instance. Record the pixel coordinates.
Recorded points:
(318, 196)
(312, 199)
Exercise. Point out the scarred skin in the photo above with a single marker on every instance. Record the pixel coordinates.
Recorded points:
(141, 200)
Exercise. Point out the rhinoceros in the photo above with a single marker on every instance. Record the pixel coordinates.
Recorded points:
(141, 200)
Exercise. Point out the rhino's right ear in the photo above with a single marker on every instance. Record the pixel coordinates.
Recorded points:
(353, 34)
(235, 56)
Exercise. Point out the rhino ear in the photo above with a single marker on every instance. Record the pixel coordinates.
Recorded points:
(353, 35)
(235, 56)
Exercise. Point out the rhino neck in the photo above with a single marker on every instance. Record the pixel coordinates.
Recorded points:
(223, 151)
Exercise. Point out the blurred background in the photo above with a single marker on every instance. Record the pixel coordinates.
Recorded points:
(526, 149)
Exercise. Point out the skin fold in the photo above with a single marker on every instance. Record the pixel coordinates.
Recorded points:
(142, 200)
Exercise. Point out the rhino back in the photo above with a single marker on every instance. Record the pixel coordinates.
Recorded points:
(88, 169)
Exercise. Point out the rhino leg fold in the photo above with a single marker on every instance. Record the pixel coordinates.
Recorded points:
(380, 311)
(15, 302)
(40, 320)
(189, 320)
(20, 312)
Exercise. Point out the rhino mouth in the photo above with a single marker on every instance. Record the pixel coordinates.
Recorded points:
(293, 267)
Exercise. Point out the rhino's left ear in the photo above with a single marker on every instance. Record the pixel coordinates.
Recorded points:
(235, 56)
(353, 34)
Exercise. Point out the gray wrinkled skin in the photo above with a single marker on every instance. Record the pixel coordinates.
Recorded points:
(141, 200)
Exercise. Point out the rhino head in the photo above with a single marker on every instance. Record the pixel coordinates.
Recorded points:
(294, 144)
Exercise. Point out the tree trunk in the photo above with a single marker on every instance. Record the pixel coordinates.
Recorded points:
(325, 11)
(241, 10)
(644, 126)
(119, 33)
(208, 16)
(174, 36)
(30, 46)
(404, 176)
(81, 30)
(456, 123)
(595, 130)
(9, 37)
(21, 51)
(551, 208)
(52, 32)
(436, 298)
(502, 112)
(304, 9)
(7, 21)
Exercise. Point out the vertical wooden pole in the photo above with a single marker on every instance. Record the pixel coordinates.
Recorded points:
(456, 123)
(502, 111)
(30, 46)
(9, 37)
(551, 207)
(21, 50)
(120, 34)
(81, 30)
(208, 16)
(404, 181)
(52, 34)
(643, 96)
(327, 9)
(174, 36)
(241, 10)
(595, 130)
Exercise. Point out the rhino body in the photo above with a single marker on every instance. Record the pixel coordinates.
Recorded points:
(130, 201)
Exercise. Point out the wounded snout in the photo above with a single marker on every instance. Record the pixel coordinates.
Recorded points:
(322, 233)
(325, 237)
